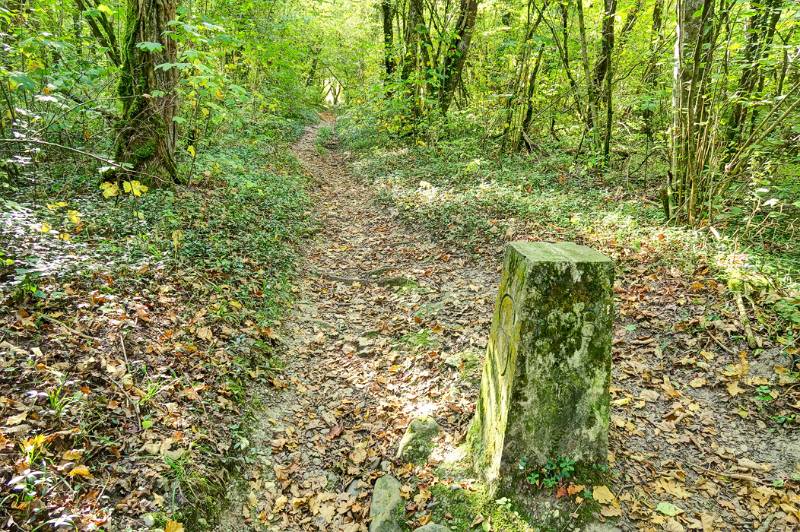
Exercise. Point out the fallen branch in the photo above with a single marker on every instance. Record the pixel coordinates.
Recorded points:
(744, 319)
(369, 279)
(723, 346)
(734, 476)
(84, 153)
(68, 328)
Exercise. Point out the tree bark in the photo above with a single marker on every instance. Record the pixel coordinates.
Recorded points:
(694, 39)
(146, 132)
(456, 54)
(591, 97)
(607, 71)
(102, 29)
(652, 70)
(760, 32)
(388, 37)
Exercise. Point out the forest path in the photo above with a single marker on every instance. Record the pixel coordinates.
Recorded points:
(378, 310)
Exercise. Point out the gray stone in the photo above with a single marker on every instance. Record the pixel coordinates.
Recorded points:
(432, 527)
(417, 442)
(545, 384)
(386, 509)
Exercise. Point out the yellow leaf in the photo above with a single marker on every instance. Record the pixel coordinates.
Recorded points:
(72, 455)
(173, 526)
(191, 151)
(697, 382)
(45, 228)
(74, 217)
(109, 189)
(733, 388)
(134, 187)
(603, 495)
(80, 471)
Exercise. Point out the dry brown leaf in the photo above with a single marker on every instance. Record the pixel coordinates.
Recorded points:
(733, 388)
(603, 495)
(16, 420)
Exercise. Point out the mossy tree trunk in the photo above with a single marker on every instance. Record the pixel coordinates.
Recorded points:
(146, 131)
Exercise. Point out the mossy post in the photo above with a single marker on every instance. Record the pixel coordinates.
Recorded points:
(545, 385)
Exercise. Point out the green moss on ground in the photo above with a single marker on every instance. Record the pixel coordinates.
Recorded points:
(462, 509)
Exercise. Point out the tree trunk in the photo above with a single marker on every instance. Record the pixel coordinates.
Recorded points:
(591, 97)
(102, 29)
(411, 39)
(146, 133)
(312, 70)
(652, 70)
(388, 38)
(607, 71)
(760, 31)
(695, 34)
(456, 54)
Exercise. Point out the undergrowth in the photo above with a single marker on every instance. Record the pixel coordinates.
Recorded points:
(461, 188)
(176, 289)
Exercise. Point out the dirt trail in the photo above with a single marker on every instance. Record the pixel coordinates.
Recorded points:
(378, 310)
(389, 326)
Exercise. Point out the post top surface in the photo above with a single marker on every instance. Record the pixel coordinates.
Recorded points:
(558, 252)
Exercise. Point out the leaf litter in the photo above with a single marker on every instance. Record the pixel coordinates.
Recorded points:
(691, 447)
(694, 443)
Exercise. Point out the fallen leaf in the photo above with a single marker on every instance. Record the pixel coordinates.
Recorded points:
(72, 455)
(698, 382)
(358, 455)
(80, 471)
(603, 495)
(16, 420)
(734, 389)
(610, 511)
(204, 333)
(572, 489)
(668, 509)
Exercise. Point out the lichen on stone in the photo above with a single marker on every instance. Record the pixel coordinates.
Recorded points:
(544, 388)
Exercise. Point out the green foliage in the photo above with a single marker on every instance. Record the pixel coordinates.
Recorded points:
(552, 474)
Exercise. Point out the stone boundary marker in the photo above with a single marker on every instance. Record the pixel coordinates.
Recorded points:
(545, 385)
